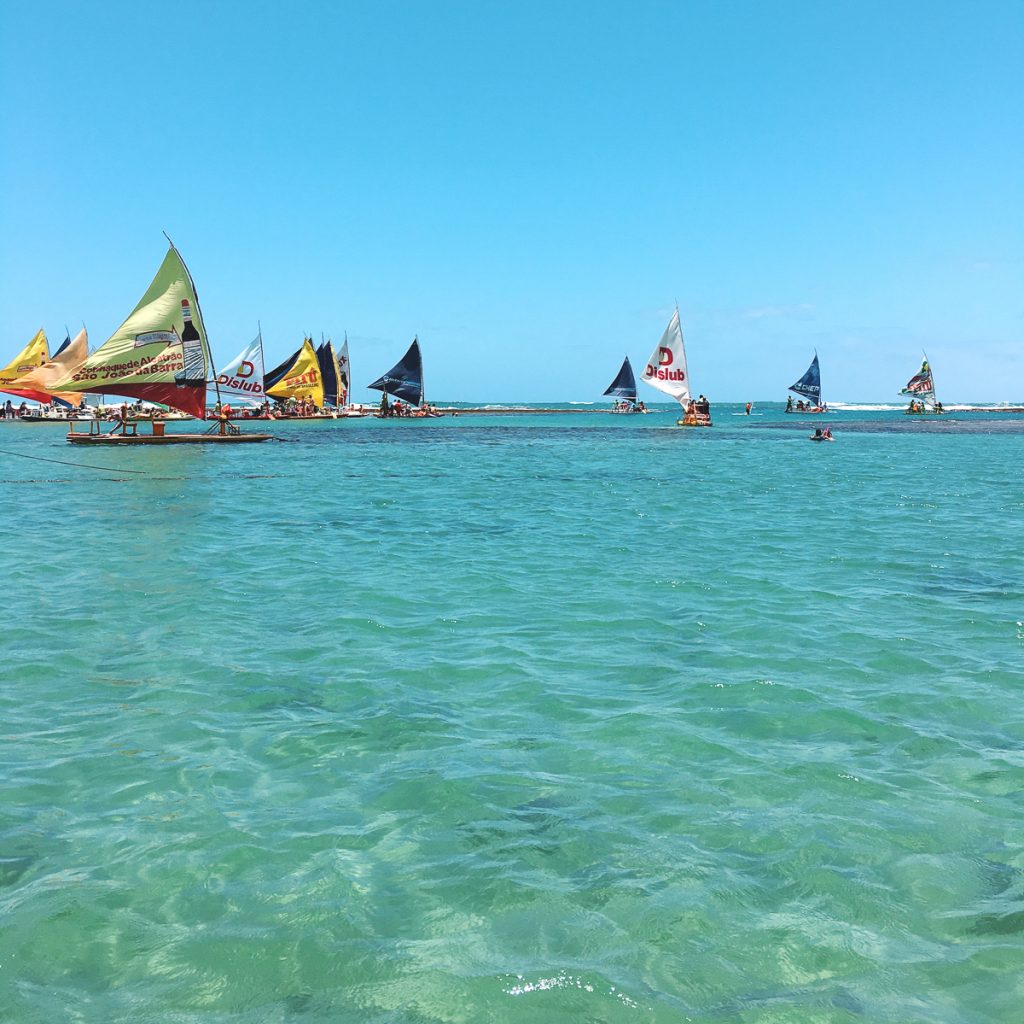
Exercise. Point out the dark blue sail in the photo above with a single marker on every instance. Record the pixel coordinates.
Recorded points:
(328, 373)
(405, 378)
(64, 345)
(809, 385)
(624, 385)
(279, 372)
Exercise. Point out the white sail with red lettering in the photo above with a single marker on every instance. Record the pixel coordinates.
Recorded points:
(666, 369)
(242, 379)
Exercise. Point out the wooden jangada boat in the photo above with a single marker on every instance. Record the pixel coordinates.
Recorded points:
(160, 354)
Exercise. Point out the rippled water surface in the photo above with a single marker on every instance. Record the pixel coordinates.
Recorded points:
(578, 718)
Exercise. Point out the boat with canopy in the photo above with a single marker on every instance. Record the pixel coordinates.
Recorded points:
(921, 388)
(809, 387)
(160, 354)
(666, 370)
(623, 390)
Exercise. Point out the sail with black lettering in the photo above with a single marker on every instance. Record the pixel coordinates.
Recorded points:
(809, 385)
(405, 379)
(160, 353)
(345, 373)
(624, 385)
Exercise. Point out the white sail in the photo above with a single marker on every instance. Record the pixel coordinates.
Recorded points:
(666, 369)
(242, 379)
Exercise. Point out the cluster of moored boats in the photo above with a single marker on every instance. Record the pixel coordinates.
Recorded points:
(160, 357)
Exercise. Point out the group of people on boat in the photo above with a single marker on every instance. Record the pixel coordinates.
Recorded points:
(398, 408)
(698, 412)
(626, 406)
(8, 411)
(801, 406)
(917, 408)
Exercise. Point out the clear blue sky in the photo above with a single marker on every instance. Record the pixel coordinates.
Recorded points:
(530, 186)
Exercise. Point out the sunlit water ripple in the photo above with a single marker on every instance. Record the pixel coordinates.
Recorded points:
(578, 718)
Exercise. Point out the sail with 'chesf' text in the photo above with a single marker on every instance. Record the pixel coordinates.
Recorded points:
(666, 369)
(298, 377)
(241, 380)
(40, 381)
(160, 353)
(405, 379)
(922, 387)
(809, 385)
(624, 385)
(35, 354)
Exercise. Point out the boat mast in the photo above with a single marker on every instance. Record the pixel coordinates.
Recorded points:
(206, 340)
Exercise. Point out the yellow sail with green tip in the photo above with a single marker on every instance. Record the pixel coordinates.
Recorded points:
(42, 379)
(32, 356)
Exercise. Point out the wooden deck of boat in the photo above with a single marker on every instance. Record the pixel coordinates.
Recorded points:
(121, 440)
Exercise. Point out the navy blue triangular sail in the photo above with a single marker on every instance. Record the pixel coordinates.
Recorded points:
(328, 373)
(809, 385)
(404, 379)
(64, 345)
(624, 385)
(277, 374)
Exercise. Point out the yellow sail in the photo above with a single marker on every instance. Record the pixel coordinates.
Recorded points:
(33, 355)
(43, 378)
(303, 380)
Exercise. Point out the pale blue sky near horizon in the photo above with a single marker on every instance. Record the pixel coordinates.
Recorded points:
(530, 187)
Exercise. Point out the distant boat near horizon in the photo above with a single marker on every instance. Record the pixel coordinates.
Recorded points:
(623, 389)
(921, 388)
(809, 387)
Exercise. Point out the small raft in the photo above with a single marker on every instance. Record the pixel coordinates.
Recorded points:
(126, 434)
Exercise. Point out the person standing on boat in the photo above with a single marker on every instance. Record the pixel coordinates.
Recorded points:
(750, 405)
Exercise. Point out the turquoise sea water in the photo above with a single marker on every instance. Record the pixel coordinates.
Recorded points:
(538, 718)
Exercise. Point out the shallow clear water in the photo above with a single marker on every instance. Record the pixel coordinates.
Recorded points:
(578, 718)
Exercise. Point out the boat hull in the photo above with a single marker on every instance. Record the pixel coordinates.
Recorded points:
(122, 441)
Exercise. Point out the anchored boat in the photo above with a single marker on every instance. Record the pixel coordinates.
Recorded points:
(623, 389)
(159, 354)
(666, 371)
(403, 381)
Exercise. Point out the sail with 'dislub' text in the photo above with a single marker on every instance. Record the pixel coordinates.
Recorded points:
(241, 381)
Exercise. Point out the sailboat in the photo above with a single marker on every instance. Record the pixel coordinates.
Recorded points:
(666, 371)
(921, 388)
(39, 381)
(809, 387)
(159, 354)
(330, 373)
(35, 354)
(623, 388)
(241, 380)
(403, 381)
(298, 378)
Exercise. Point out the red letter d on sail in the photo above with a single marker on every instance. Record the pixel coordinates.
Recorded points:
(664, 357)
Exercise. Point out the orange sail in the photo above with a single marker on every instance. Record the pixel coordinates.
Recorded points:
(41, 379)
